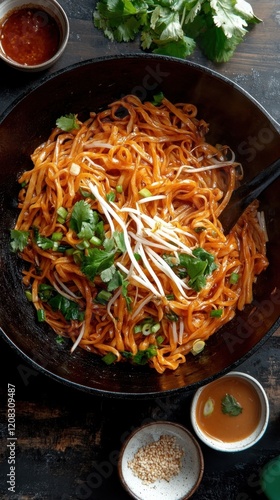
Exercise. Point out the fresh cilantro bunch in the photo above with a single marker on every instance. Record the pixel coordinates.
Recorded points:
(174, 27)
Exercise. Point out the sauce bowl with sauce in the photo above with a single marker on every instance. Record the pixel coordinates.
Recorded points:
(33, 35)
(231, 413)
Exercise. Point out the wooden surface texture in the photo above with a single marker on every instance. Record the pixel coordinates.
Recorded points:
(67, 441)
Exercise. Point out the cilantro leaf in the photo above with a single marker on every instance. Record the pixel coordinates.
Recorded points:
(205, 256)
(157, 99)
(225, 17)
(172, 27)
(116, 280)
(81, 213)
(119, 241)
(107, 275)
(231, 406)
(95, 261)
(216, 46)
(246, 11)
(181, 48)
(119, 19)
(68, 122)
(197, 266)
(19, 239)
(69, 308)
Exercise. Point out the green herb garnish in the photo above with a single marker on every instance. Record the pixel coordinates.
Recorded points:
(109, 358)
(19, 239)
(197, 267)
(68, 122)
(234, 277)
(141, 357)
(41, 315)
(230, 406)
(69, 308)
(216, 313)
(174, 27)
(208, 407)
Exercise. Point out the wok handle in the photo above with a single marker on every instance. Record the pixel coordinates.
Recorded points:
(246, 194)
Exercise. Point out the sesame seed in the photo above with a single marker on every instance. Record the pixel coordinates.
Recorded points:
(157, 460)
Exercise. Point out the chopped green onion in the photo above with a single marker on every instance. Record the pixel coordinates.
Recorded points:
(234, 277)
(119, 188)
(109, 358)
(170, 296)
(62, 212)
(84, 244)
(197, 347)
(155, 328)
(216, 313)
(146, 329)
(160, 339)
(110, 196)
(200, 229)
(55, 246)
(145, 193)
(41, 315)
(137, 329)
(208, 407)
(147, 326)
(28, 295)
(137, 256)
(95, 241)
(103, 297)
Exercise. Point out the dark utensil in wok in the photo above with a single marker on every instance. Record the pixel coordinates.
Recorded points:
(235, 119)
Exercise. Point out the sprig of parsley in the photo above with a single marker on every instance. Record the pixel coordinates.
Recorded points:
(175, 27)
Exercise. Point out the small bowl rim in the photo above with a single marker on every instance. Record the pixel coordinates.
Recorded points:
(169, 425)
(233, 446)
(64, 29)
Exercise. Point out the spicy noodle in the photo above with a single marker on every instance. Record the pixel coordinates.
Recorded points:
(125, 253)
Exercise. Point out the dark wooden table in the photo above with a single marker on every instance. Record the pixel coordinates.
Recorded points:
(67, 442)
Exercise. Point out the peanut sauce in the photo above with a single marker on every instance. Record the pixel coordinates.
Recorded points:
(222, 426)
(29, 36)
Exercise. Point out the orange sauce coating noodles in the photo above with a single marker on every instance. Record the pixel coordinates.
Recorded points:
(122, 150)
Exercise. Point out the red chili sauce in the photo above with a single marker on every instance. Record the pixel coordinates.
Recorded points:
(29, 36)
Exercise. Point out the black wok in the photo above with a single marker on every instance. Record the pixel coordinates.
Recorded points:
(235, 118)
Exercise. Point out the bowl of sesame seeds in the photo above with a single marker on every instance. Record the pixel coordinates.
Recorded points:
(161, 460)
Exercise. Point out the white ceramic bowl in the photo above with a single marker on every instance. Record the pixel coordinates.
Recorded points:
(180, 486)
(53, 9)
(246, 442)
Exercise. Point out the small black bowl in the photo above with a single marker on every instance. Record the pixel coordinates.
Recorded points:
(235, 118)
